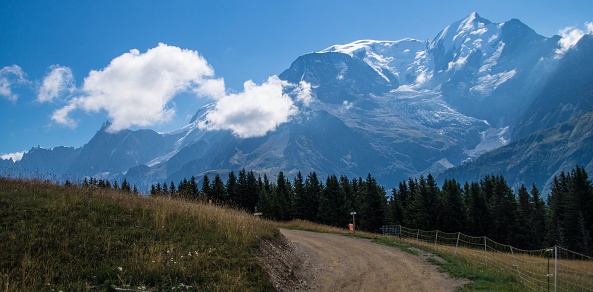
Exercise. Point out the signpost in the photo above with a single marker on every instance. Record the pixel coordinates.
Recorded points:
(353, 222)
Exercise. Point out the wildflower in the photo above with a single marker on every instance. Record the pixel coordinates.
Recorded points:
(120, 269)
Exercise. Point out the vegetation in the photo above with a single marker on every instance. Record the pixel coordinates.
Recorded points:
(80, 238)
(488, 207)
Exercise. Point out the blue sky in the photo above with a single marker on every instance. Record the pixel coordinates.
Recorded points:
(238, 40)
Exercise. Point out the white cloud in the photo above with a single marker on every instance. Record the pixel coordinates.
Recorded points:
(257, 110)
(303, 92)
(570, 37)
(14, 156)
(213, 88)
(60, 116)
(58, 80)
(135, 88)
(10, 76)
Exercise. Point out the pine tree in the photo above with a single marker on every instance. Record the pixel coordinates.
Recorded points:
(372, 212)
(206, 188)
(312, 193)
(454, 214)
(332, 204)
(232, 189)
(425, 207)
(218, 190)
(478, 212)
(525, 236)
(284, 198)
(299, 196)
(537, 221)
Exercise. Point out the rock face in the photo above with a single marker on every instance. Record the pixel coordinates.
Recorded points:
(394, 109)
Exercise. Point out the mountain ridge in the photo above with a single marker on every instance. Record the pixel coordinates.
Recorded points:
(396, 109)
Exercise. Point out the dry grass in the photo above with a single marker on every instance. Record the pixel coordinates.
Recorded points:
(316, 227)
(529, 268)
(62, 238)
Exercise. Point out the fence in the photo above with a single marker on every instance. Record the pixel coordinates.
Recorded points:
(551, 269)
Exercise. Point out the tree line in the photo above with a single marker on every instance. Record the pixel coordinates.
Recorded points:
(489, 207)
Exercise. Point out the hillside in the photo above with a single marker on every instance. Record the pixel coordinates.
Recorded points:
(68, 238)
(396, 109)
(536, 158)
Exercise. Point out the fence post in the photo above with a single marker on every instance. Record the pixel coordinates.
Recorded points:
(436, 238)
(515, 264)
(485, 254)
(417, 234)
(457, 244)
(555, 268)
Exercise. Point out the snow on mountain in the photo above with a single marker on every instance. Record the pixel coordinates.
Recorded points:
(395, 109)
(404, 59)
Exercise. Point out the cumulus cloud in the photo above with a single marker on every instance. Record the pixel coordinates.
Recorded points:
(257, 110)
(303, 93)
(570, 37)
(135, 88)
(9, 77)
(56, 82)
(14, 156)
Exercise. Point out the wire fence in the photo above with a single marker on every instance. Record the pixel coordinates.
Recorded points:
(550, 269)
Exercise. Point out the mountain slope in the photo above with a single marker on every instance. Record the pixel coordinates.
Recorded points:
(395, 109)
(537, 157)
(567, 94)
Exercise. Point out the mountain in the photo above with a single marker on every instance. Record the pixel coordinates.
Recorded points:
(567, 94)
(395, 109)
(536, 158)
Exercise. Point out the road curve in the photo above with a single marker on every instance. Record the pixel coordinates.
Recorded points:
(341, 263)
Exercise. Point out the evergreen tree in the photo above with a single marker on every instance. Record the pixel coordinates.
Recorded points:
(206, 188)
(232, 189)
(537, 221)
(299, 196)
(478, 212)
(454, 218)
(218, 190)
(172, 189)
(251, 195)
(558, 205)
(372, 212)
(425, 207)
(310, 202)
(525, 236)
(193, 191)
(284, 198)
(332, 204)
(504, 210)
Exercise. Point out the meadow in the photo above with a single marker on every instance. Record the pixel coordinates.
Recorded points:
(70, 238)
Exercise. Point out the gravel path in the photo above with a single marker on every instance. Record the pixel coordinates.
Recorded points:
(339, 263)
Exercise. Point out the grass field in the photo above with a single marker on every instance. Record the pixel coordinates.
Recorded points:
(56, 238)
(66, 238)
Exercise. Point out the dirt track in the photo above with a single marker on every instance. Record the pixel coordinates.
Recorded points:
(339, 263)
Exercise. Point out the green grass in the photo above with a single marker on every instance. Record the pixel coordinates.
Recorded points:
(401, 245)
(67, 238)
(481, 279)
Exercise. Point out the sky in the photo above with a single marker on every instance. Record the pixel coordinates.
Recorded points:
(68, 66)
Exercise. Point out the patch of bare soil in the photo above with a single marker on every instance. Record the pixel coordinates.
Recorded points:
(286, 264)
(301, 260)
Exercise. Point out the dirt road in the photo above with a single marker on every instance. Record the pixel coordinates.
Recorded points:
(339, 263)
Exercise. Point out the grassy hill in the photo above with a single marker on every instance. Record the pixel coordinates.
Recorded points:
(69, 238)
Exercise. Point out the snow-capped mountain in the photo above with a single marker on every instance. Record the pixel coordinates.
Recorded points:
(394, 109)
